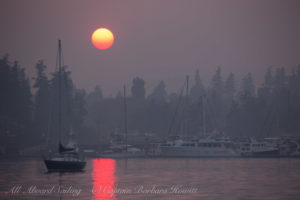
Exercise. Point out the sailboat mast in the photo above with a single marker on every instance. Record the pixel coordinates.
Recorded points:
(125, 117)
(203, 115)
(187, 106)
(59, 91)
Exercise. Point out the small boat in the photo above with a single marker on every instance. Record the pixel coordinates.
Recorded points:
(64, 162)
(294, 146)
(121, 148)
(203, 147)
(254, 148)
(67, 158)
(208, 145)
(123, 151)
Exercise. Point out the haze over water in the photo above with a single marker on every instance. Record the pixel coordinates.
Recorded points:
(237, 178)
(154, 40)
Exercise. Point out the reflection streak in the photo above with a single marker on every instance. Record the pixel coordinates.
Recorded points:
(104, 179)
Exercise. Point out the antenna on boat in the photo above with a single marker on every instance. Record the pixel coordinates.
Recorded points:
(125, 117)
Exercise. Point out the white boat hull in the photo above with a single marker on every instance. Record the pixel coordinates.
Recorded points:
(197, 152)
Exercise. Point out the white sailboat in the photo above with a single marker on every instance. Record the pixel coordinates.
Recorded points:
(254, 148)
(122, 149)
(203, 147)
(207, 146)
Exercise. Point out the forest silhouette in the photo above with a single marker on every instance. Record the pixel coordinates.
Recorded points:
(28, 114)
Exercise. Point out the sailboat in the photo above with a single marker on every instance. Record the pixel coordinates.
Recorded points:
(67, 158)
(123, 149)
(210, 145)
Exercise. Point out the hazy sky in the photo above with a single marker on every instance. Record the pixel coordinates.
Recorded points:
(154, 39)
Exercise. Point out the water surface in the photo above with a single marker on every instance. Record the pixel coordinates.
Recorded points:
(235, 178)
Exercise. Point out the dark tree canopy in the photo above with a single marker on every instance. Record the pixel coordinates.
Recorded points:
(138, 88)
(234, 106)
(159, 94)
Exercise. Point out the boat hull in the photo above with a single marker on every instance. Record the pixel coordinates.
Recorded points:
(268, 153)
(196, 152)
(53, 165)
(123, 155)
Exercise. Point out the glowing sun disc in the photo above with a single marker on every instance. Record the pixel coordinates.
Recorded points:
(102, 38)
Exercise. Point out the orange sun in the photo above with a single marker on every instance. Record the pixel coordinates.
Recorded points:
(102, 38)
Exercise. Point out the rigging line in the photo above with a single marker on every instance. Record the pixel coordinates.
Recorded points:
(52, 89)
(62, 59)
(59, 93)
(268, 119)
(181, 121)
(176, 110)
(56, 64)
(276, 114)
(186, 109)
(50, 114)
(211, 114)
(201, 103)
(273, 118)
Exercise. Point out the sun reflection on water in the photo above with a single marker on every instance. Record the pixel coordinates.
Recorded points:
(104, 179)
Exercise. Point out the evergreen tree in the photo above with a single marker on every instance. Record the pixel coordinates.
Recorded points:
(216, 101)
(247, 88)
(96, 115)
(66, 97)
(15, 103)
(197, 90)
(268, 82)
(42, 103)
(78, 111)
(265, 92)
(217, 81)
(159, 94)
(138, 89)
(230, 85)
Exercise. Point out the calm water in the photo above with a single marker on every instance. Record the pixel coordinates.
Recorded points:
(206, 179)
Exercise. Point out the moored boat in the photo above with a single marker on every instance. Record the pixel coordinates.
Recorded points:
(204, 147)
(254, 148)
(67, 158)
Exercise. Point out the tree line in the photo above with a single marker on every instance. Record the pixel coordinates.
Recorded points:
(28, 114)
